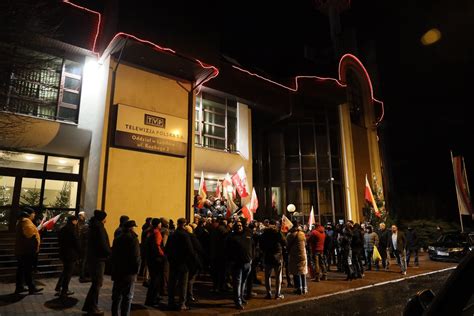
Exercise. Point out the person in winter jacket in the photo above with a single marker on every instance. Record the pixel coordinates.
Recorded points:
(69, 252)
(239, 252)
(272, 243)
(316, 242)
(98, 252)
(412, 246)
(181, 257)
(27, 244)
(371, 240)
(125, 265)
(297, 260)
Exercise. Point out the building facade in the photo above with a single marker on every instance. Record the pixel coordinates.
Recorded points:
(120, 123)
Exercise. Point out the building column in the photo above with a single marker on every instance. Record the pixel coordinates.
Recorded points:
(350, 185)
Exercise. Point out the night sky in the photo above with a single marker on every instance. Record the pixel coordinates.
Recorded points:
(426, 89)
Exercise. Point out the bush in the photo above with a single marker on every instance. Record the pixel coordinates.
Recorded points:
(427, 231)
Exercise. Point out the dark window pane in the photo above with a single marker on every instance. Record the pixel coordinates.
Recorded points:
(210, 117)
(293, 162)
(71, 98)
(232, 133)
(307, 139)
(213, 143)
(334, 139)
(72, 83)
(72, 67)
(67, 114)
(211, 130)
(291, 140)
(213, 103)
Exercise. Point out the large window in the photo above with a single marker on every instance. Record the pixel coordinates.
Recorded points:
(40, 85)
(216, 122)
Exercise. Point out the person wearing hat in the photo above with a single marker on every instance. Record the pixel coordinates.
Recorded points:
(27, 244)
(83, 232)
(155, 261)
(181, 256)
(123, 219)
(97, 253)
(125, 265)
(69, 251)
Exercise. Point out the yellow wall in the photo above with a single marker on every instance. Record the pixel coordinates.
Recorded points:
(140, 184)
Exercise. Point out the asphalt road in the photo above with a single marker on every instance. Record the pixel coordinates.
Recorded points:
(382, 299)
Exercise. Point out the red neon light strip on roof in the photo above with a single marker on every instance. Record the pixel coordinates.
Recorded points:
(216, 71)
(166, 49)
(368, 79)
(99, 19)
(155, 46)
(296, 79)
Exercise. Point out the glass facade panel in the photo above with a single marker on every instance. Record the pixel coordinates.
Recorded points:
(35, 81)
(30, 192)
(63, 165)
(311, 170)
(216, 122)
(60, 194)
(67, 114)
(6, 190)
(72, 83)
(10, 159)
(71, 97)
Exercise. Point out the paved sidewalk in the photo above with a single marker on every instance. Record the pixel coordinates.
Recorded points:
(209, 304)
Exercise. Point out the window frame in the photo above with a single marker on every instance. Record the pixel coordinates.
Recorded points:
(201, 124)
(41, 83)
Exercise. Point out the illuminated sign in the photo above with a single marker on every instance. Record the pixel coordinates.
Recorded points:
(143, 130)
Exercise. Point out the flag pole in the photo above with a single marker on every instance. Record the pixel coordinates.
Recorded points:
(455, 187)
(467, 182)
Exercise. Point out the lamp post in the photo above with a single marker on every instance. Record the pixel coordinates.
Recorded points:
(291, 208)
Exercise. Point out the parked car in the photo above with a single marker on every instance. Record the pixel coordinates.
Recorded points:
(455, 297)
(452, 246)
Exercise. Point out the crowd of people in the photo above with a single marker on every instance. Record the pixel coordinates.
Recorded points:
(230, 250)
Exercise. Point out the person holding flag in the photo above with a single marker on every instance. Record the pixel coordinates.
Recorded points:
(27, 244)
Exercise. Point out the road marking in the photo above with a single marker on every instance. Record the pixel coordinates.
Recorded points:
(315, 298)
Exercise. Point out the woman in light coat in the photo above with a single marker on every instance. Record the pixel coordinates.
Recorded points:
(297, 261)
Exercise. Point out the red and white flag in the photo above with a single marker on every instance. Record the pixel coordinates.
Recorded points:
(240, 182)
(49, 224)
(286, 224)
(246, 213)
(311, 220)
(202, 188)
(253, 202)
(218, 190)
(369, 197)
(227, 187)
(462, 187)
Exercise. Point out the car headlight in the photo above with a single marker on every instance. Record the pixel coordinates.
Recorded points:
(471, 248)
(457, 249)
(431, 248)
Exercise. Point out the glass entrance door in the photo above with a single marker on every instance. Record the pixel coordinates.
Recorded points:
(7, 190)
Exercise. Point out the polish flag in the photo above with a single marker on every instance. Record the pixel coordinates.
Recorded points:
(311, 220)
(286, 224)
(369, 197)
(49, 224)
(240, 182)
(253, 202)
(246, 213)
(227, 188)
(202, 188)
(218, 190)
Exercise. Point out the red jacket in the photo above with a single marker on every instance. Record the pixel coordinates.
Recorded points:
(316, 239)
